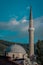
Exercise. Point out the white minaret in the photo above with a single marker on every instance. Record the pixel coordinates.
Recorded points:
(31, 35)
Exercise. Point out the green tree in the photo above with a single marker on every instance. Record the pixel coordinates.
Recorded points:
(40, 51)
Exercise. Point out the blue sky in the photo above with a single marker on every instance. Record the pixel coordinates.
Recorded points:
(14, 20)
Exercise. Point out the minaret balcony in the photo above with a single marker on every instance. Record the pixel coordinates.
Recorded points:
(31, 29)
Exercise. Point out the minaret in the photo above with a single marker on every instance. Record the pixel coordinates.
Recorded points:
(31, 35)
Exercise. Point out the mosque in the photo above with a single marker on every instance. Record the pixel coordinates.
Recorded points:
(18, 52)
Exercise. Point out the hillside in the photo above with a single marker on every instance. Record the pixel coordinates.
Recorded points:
(5, 44)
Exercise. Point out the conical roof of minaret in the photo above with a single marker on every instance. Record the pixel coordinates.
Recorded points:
(31, 18)
(30, 13)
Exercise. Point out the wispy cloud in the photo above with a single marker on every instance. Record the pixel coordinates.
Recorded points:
(22, 26)
(13, 24)
(24, 20)
(28, 7)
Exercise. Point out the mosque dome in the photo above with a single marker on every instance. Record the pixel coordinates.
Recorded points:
(16, 49)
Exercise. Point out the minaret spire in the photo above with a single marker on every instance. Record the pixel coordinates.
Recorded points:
(31, 34)
(31, 18)
(30, 12)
